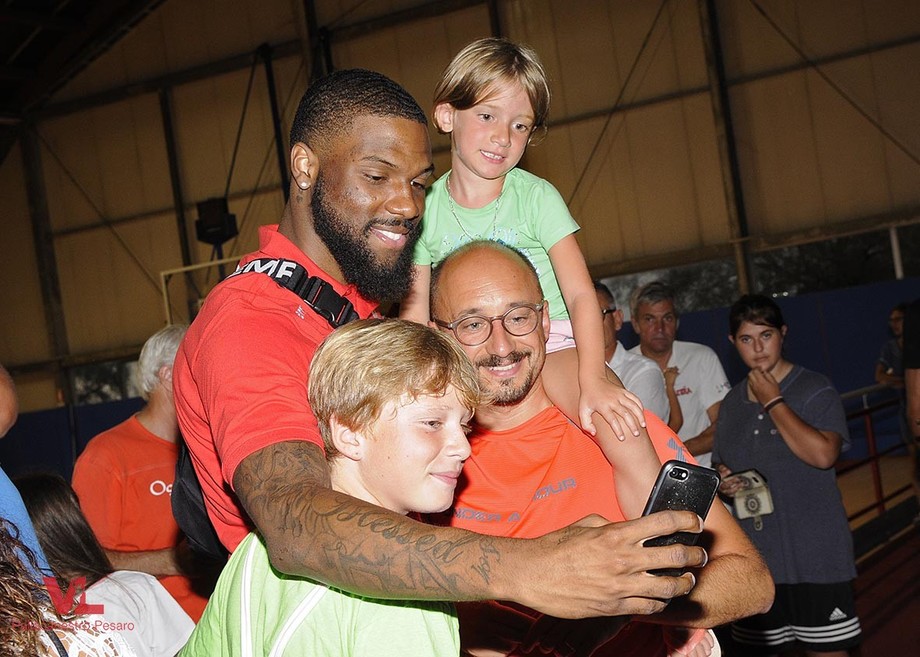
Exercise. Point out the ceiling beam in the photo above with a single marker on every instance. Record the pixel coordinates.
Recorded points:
(40, 19)
(155, 85)
(108, 21)
(16, 73)
(295, 47)
(400, 17)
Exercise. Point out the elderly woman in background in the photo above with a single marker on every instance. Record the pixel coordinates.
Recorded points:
(788, 424)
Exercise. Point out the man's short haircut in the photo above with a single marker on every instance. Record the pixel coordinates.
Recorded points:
(651, 293)
(470, 77)
(331, 104)
(159, 350)
(756, 309)
(603, 289)
(475, 245)
(369, 363)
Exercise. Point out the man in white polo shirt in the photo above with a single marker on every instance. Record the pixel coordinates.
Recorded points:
(701, 382)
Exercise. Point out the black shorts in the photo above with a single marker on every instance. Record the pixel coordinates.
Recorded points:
(817, 617)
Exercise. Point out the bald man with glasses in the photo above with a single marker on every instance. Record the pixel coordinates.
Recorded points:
(532, 471)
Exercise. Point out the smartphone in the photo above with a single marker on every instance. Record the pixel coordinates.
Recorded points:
(681, 487)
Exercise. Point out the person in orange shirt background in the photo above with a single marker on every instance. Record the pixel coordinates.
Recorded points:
(124, 479)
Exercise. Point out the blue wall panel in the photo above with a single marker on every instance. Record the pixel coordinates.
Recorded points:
(49, 441)
(838, 333)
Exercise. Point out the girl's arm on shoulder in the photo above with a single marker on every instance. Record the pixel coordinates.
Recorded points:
(415, 306)
(581, 302)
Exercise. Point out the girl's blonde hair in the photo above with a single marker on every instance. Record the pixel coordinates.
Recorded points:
(366, 364)
(471, 76)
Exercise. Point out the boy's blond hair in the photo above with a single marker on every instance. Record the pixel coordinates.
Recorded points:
(366, 364)
(470, 77)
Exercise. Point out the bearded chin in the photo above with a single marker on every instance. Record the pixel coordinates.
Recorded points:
(505, 393)
(508, 396)
(374, 280)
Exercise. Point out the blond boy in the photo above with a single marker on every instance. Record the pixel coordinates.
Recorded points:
(394, 400)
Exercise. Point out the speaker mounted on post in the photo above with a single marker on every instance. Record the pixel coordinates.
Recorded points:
(215, 225)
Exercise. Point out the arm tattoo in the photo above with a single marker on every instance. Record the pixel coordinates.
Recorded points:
(332, 537)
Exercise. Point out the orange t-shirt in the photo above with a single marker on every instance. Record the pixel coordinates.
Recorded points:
(542, 476)
(124, 479)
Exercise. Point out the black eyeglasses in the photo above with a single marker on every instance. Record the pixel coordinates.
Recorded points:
(607, 311)
(473, 330)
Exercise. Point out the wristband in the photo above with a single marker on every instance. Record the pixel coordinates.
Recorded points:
(773, 403)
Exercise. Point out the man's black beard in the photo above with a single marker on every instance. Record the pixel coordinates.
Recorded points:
(373, 279)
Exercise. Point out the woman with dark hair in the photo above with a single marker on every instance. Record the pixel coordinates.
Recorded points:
(28, 624)
(134, 603)
(788, 424)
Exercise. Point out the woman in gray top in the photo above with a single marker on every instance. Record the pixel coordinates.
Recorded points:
(788, 423)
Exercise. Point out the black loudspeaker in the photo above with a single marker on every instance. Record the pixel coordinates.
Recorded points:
(215, 224)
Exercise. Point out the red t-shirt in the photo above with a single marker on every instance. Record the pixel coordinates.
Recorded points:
(240, 377)
(542, 476)
(124, 478)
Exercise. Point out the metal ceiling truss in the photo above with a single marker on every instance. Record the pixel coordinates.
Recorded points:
(81, 41)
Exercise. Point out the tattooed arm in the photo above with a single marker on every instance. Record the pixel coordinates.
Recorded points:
(314, 531)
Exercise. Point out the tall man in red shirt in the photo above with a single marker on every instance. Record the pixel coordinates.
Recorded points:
(124, 478)
(532, 471)
(359, 162)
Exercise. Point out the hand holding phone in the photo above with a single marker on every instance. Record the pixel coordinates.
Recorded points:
(681, 487)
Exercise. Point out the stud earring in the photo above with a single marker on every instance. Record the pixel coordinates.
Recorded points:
(304, 184)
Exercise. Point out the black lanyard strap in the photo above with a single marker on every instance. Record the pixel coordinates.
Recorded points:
(315, 292)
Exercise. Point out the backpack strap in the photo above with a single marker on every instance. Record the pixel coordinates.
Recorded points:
(187, 498)
(315, 292)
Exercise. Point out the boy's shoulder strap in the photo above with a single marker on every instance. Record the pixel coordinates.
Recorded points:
(316, 292)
